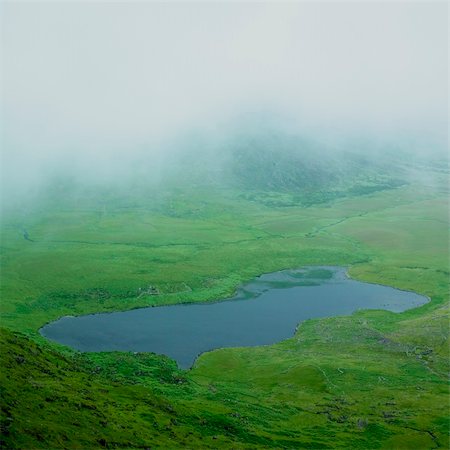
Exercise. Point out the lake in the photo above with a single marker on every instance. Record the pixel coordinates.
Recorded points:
(263, 311)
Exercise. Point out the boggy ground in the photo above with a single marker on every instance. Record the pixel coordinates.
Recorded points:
(371, 380)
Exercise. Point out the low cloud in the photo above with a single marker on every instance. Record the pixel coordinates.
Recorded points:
(95, 86)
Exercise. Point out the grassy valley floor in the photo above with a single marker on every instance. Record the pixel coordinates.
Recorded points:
(371, 380)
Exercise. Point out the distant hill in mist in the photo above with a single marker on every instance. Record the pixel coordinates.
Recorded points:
(265, 165)
(302, 170)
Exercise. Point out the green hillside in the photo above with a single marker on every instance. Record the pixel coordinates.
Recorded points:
(371, 380)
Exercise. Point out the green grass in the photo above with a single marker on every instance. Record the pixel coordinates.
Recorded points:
(371, 380)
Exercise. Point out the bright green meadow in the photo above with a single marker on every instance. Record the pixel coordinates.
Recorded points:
(371, 380)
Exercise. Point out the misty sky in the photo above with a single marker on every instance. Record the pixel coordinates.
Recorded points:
(83, 81)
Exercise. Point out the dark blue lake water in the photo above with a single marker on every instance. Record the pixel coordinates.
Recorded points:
(264, 311)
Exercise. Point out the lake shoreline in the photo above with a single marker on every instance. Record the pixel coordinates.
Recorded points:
(263, 311)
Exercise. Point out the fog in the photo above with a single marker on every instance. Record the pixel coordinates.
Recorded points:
(94, 88)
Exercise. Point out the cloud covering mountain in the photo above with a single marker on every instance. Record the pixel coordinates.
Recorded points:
(94, 86)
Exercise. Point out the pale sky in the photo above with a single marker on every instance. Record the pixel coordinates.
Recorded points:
(85, 79)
